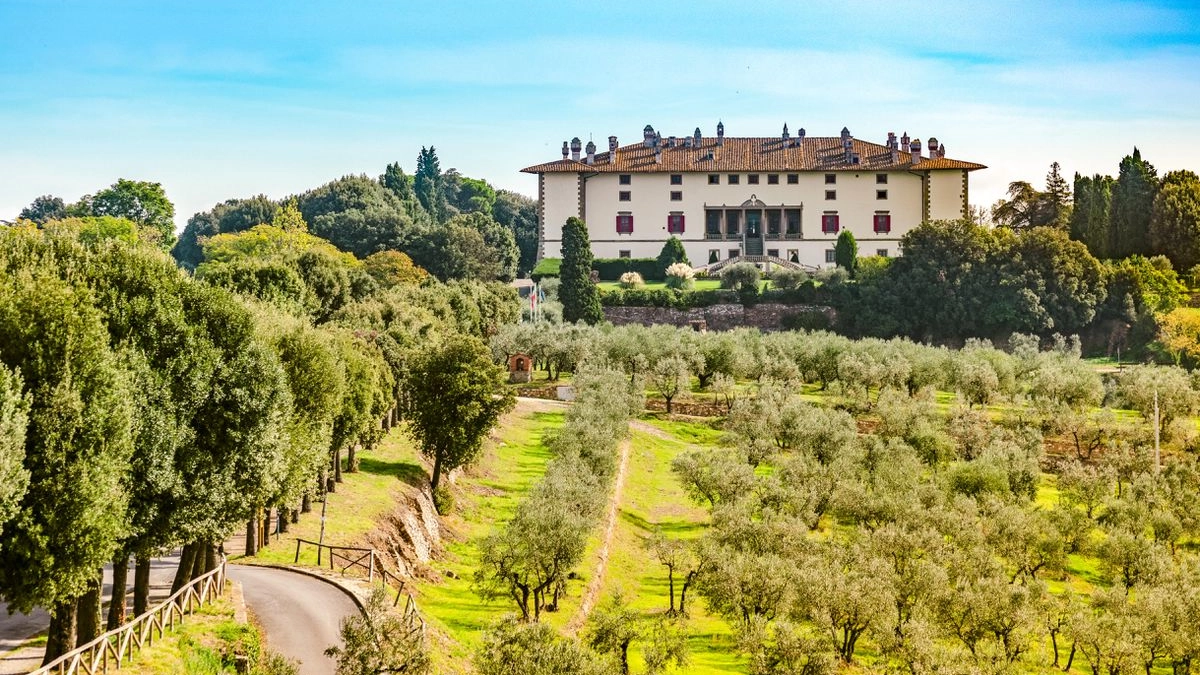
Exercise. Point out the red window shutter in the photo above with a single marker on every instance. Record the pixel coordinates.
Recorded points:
(620, 225)
(681, 223)
(629, 224)
(837, 223)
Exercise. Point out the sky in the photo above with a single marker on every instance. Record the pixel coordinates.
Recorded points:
(220, 99)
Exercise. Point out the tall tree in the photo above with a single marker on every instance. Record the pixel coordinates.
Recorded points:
(232, 215)
(359, 215)
(456, 394)
(143, 202)
(1132, 204)
(1090, 221)
(395, 180)
(44, 208)
(519, 214)
(1021, 209)
(1057, 198)
(845, 252)
(1175, 220)
(672, 252)
(427, 183)
(14, 418)
(77, 446)
(579, 296)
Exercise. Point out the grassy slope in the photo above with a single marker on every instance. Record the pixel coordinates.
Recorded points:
(485, 497)
(197, 645)
(653, 498)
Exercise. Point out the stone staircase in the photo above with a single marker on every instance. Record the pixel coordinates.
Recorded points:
(715, 268)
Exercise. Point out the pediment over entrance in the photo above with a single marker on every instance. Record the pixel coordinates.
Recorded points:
(753, 203)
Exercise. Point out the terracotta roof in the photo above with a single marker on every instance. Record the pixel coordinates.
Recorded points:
(751, 155)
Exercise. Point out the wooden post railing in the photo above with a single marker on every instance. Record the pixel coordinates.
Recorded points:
(373, 568)
(118, 646)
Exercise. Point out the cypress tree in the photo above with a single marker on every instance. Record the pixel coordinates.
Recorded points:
(1175, 220)
(845, 253)
(1132, 201)
(580, 299)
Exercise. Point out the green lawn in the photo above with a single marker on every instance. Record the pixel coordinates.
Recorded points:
(700, 285)
(652, 498)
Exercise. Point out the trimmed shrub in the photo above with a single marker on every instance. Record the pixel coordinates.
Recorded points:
(611, 269)
(546, 267)
(632, 280)
(680, 276)
(787, 280)
(672, 252)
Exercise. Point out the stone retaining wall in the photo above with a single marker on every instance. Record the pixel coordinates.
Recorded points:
(767, 316)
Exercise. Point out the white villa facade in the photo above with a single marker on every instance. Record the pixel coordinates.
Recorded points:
(785, 197)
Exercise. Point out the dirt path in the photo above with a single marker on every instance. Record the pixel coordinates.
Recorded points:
(650, 429)
(588, 601)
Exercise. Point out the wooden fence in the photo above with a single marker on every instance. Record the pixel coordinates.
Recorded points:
(367, 560)
(119, 645)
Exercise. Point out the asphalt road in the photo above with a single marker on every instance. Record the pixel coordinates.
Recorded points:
(15, 629)
(299, 614)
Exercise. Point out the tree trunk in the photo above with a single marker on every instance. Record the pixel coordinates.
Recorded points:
(671, 589)
(61, 637)
(210, 558)
(625, 657)
(352, 458)
(1070, 657)
(89, 619)
(198, 561)
(187, 558)
(668, 405)
(305, 506)
(295, 516)
(116, 606)
(437, 475)
(337, 466)
(141, 585)
(285, 514)
(252, 536)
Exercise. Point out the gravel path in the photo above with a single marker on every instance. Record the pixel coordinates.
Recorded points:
(610, 527)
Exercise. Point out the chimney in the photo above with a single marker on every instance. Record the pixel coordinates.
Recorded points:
(696, 138)
(800, 136)
(687, 141)
(566, 150)
(933, 147)
(591, 153)
(720, 133)
(942, 150)
(786, 135)
(904, 141)
(670, 141)
(915, 148)
(576, 146)
(658, 154)
(658, 139)
(612, 146)
(648, 137)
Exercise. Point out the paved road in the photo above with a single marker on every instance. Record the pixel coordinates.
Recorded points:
(299, 614)
(15, 629)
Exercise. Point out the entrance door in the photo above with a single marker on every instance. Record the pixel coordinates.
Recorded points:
(754, 242)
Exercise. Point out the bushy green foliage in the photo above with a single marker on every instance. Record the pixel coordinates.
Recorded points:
(14, 419)
(579, 296)
(786, 279)
(845, 252)
(672, 252)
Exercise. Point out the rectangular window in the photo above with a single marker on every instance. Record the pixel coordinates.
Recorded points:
(772, 179)
(712, 224)
(752, 179)
(773, 252)
(733, 222)
(624, 195)
(793, 178)
(714, 179)
(733, 253)
(623, 254)
(624, 223)
(882, 252)
(831, 194)
(773, 223)
(830, 255)
(676, 179)
(883, 223)
(625, 179)
(831, 179)
(713, 255)
(881, 179)
(675, 223)
(793, 221)
(881, 194)
(733, 179)
(676, 195)
(794, 255)
(830, 223)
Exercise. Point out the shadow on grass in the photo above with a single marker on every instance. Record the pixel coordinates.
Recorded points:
(413, 474)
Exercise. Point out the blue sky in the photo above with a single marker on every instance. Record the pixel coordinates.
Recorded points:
(229, 99)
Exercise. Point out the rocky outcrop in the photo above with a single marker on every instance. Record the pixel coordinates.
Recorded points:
(409, 536)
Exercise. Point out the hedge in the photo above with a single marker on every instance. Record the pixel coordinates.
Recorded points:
(611, 269)
(546, 267)
(809, 293)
